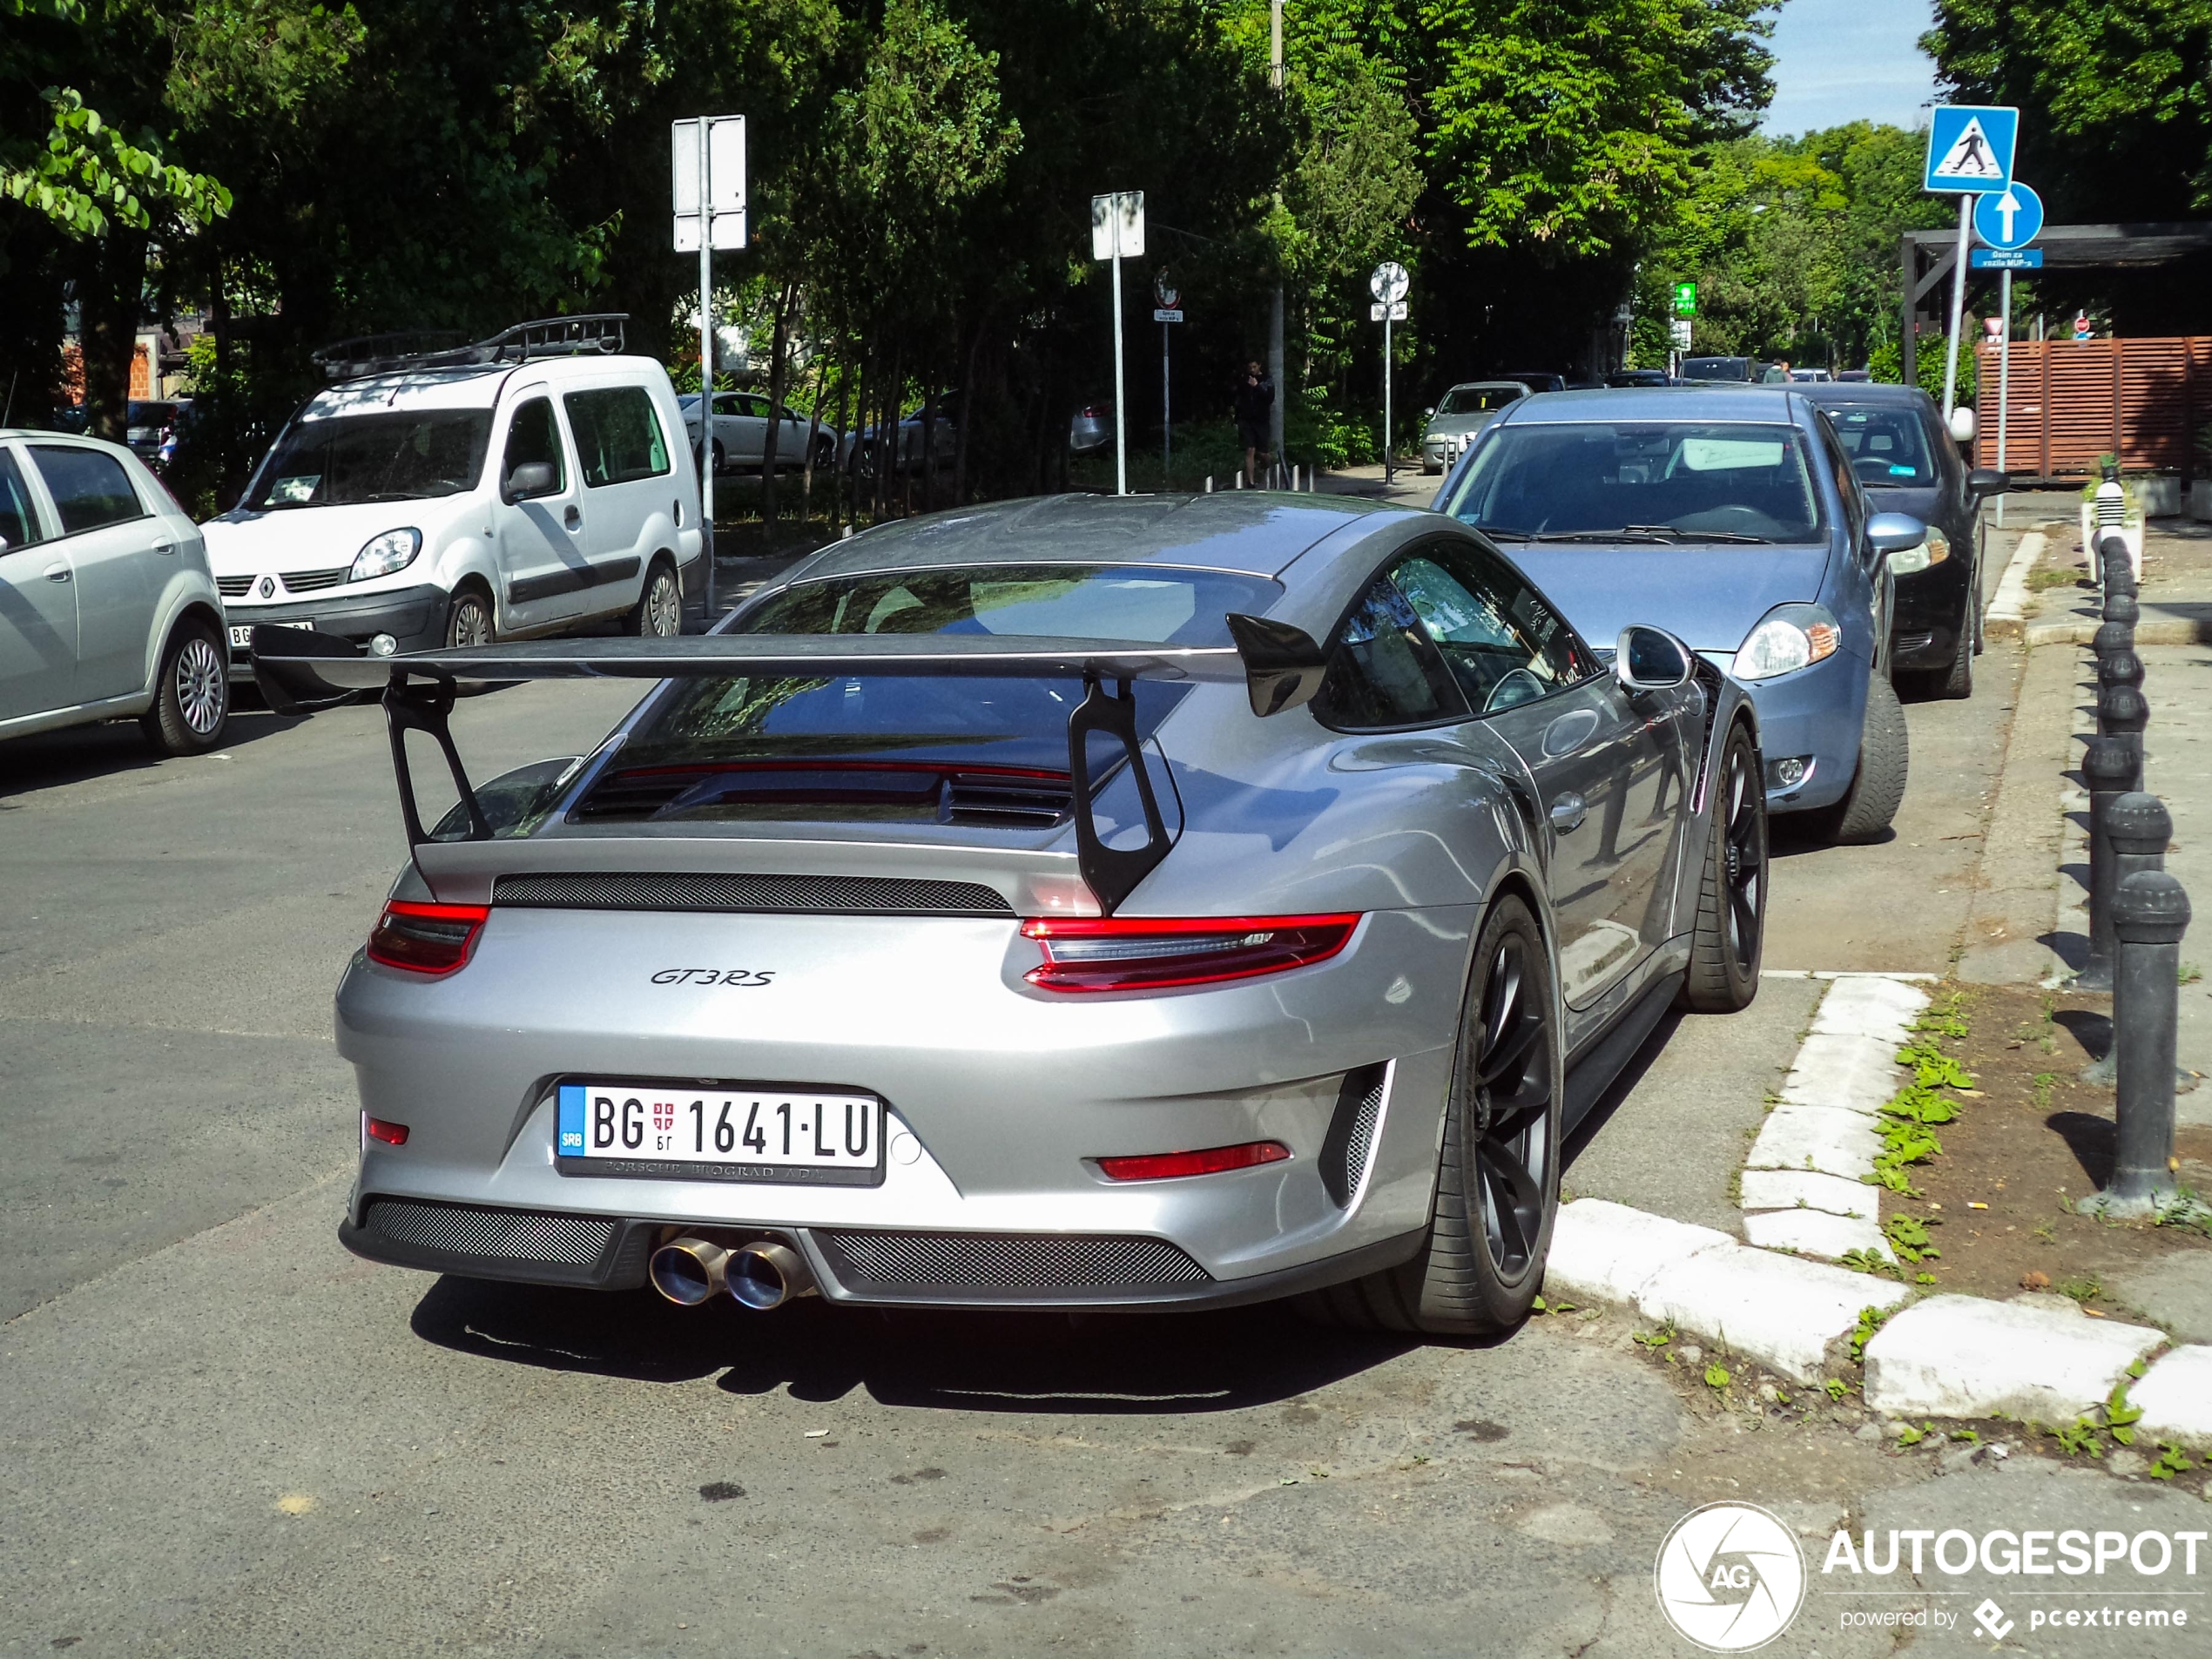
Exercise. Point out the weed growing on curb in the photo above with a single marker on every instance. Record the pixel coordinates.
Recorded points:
(1717, 1375)
(1908, 1120)
(1908, 1236)
(1838, 1388)
(1870, 1321)
(2120, 1418)
(2189, 974)
(2087, 1288)
(1655, 1340)
(2171, 1461)
(1911, 1436)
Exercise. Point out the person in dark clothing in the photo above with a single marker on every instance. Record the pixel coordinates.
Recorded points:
(1255, 401)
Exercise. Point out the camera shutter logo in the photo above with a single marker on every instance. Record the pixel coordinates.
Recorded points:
(1730, 1577)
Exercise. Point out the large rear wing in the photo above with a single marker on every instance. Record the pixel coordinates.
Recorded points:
(1279, 665)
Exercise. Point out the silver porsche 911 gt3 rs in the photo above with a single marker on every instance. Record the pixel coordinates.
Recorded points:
(1083, 902)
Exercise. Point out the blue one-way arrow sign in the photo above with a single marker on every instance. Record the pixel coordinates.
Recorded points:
(1970, 148)
(2009, 218)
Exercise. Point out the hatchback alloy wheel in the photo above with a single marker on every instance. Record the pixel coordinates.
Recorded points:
(203, 686)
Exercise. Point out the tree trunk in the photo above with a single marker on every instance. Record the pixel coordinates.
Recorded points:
(777, 339)
(109, 301)
(966, 419)
(839, 474)
(928, 443)
(813, 442)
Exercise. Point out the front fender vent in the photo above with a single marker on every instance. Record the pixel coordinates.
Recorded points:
(806, 895)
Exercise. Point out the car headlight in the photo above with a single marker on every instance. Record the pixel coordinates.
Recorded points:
(381, 555)
(1934, 550)
(1787, 638)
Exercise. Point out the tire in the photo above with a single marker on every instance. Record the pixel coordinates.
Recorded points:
(192, 699)
(1877, 788)
(719, 468)
(658, 613)
(1497, 1182)
(469, 619)
(1956, 684)
(825, 456)
(1730, 934)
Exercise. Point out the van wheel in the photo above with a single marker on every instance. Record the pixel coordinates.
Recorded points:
(192, 702)
(469, 621)
(1497, 1182)
(658, 613)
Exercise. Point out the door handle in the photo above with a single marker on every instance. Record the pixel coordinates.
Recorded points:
(58, 573)
(572, 518)
(1567, 813)
(164, 547)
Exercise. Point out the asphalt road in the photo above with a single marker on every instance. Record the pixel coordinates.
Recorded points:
(223, 1435)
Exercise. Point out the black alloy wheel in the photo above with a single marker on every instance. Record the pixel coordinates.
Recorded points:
(1730, 934)
(1513, 1150)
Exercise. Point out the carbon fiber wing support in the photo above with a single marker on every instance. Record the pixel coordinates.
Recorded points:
(1279, 665)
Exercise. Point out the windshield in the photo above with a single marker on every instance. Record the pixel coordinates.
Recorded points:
(1715, 368)
(918, 748)
(344, 459)
(1675, 481)
(1886, 444)
(1477, 400)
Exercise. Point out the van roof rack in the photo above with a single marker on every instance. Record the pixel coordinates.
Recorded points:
(590, 333)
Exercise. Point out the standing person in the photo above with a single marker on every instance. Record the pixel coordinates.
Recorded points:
(1254, 400)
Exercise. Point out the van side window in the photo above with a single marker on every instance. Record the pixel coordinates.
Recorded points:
(90, 489)
(1383, 670)
(18, 518)
(618, 435)
(532, 435)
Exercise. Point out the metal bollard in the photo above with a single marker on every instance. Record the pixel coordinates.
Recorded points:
(2108, 768)
(2123, 714)
(2150, 913)
(2115, 569)
(2136, 829)
(2122, 608)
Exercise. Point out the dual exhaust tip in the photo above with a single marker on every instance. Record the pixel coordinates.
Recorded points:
(759, 1275)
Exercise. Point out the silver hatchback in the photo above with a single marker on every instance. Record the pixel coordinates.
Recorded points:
(1079, 902)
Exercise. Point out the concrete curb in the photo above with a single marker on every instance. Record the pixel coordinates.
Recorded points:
(1959, 1356)
(2148, 631)
(2008, 607)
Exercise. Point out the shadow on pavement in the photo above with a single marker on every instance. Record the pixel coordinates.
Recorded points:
(1114, 1363)
(1605, 1105)
(2092, 1141)
(49, 759)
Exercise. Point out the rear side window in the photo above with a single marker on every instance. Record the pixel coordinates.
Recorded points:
(18, 518)
(533, 436)
(90, 489)
(618, 435)
(1383, 670)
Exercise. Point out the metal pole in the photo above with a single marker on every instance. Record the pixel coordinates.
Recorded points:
(1958, 305)
(2150, 913)
(706, 366)
(1167, 418)
(1386, 455)
(2004, 374)
(1275, 362)
(1120, 403)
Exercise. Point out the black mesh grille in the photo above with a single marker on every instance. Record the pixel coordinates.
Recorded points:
(861, 895)
(234, 587)
(906, 1261)
(1351, 1131)
(1015, 803)
(313, 581)
(516, 1235)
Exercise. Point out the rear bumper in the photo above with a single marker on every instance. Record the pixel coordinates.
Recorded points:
(413, 617)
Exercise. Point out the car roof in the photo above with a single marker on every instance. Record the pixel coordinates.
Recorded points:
(1484, 385)
(1257, 531)
(40, 435)
(1716, 400)
(460, 386)
(1875, 392)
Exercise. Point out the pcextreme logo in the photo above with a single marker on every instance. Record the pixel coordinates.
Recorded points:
(1730, 1577)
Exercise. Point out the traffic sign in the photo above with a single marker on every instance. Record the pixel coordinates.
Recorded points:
(1167, 314)
(1389, 283)
(1117, 225)
(724, 183)
(1680, 333)
(1970, 147)
(2005, 258)
(2009, 218)
(1685, 299)
(1380, 312)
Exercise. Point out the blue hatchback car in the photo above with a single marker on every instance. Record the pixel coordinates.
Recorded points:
(1733, 518)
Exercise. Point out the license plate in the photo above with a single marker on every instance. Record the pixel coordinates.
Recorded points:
(242, 633)
(719, 1133)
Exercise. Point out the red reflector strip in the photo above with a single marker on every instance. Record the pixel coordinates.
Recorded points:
(377, 1130)
(1162, 1166)
(432, 939)
(1151, 953)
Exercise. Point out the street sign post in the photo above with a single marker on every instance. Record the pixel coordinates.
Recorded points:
(1116, 233)
(1970, 151)
(1167, 308)
(1389, 285)
(707, 192)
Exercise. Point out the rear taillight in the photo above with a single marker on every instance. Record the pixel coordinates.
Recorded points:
(1165, 1166)
(432, 939)
(1148, 954)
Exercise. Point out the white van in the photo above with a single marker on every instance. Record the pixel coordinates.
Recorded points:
(449, 502)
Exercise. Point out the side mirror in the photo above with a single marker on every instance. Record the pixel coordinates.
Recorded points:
(1894, 532)
(1983, 481)
(531, 478)
(1428, 412)
(1651, 659)
(1962, 424)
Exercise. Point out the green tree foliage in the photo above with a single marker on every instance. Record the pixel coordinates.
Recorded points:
(2115, 96)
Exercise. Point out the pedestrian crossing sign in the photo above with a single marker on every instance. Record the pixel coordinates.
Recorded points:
(1970, 148)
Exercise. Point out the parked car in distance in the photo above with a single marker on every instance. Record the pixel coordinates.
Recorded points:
(1463, 411)
(1091, 429)
(741, 422)
(107, 607)
(1854, 375)
(1734, 518)
(1907, 463)
(1639, 377)
(145, 420)
(1749, 370)
(906, 444)
(466, 502)
(1326, 1037)
(1811, 376)
(1537, 380)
